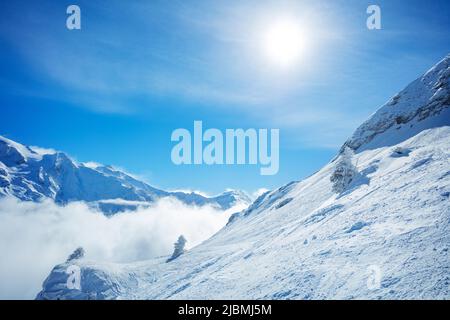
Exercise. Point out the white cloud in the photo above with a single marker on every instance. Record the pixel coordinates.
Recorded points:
(92, 164)
(259, 192)
(36, 236)
(200, 192)
(43, 151)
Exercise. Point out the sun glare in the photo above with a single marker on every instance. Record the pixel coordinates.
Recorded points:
(284, 43)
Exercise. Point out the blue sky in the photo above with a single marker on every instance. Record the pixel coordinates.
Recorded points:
(114, 91)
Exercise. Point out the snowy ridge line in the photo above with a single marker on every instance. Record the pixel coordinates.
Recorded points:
(427, 96)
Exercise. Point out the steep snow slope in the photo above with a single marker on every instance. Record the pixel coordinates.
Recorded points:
(387, 236)
(413, 108)
(32, 174)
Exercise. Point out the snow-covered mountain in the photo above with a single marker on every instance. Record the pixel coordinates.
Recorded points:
(386, 236)
(32, 174)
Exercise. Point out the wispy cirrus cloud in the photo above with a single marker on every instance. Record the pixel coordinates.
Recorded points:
(203, 58)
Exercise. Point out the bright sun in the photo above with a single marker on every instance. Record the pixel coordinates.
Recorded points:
(284, 43)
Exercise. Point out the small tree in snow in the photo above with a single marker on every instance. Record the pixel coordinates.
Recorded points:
(178, 248)
(77, 254)
(344, 172)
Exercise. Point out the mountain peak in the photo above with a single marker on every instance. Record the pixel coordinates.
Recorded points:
(441, 65)
(13, 153)
(423, 104)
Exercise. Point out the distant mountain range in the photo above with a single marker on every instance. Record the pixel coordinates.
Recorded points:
(33, 174)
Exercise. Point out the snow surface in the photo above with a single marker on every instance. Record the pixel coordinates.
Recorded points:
(303, 241)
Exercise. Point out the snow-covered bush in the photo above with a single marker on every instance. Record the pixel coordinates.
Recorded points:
(77, 254)
(344, 172)
(178, 248)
